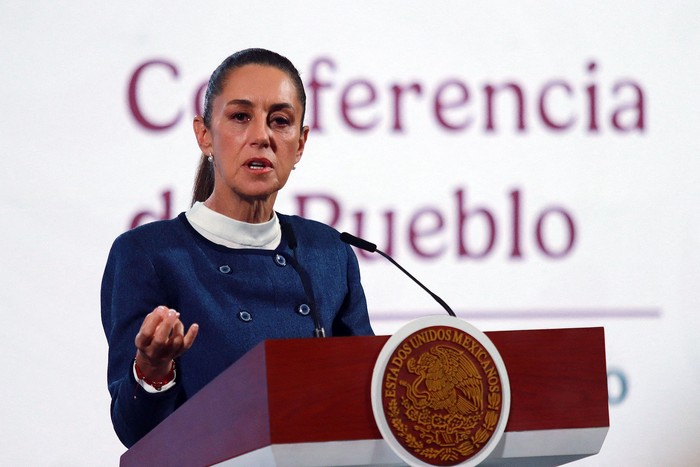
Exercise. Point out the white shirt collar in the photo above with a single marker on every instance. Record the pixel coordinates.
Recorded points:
(231, 233)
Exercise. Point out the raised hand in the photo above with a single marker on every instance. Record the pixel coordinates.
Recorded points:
(160, 340)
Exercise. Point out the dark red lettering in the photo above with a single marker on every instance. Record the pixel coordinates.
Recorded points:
(134, 106)
(520, 100)
(463, 218)
(634, 107)
(140, 217)
(398, 92)
(544, 110)
(416, 232)
(315, 85)
(515, 216)
(331, 204)
(347, 104)
(570, 233)
(442, 104)
(592, 102)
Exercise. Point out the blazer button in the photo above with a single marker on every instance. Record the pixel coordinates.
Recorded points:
(245, 316)
(225, 268)
(280, 260)
(304, 309)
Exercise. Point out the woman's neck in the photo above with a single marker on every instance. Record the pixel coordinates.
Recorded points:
(253, 211)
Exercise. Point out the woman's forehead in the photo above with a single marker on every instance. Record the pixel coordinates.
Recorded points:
(259, 84)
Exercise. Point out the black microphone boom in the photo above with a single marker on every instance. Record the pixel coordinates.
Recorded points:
(371, 247)
(288, 233)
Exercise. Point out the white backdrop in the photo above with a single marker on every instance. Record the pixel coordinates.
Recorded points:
(601, 158)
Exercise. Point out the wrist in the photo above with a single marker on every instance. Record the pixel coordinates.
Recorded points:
(152, 370)
(157, 382)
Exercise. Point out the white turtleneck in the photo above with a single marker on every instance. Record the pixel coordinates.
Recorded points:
(231, 233)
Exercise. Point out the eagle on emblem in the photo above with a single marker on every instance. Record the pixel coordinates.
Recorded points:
(447, 380)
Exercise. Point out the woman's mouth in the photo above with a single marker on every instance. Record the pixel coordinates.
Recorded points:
(258, 164)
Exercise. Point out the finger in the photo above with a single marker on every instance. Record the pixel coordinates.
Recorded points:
(183, 343)
(175, 347)
(165, 329)
(149, 326)
(176, 339)
(178, 329)
(190, 336)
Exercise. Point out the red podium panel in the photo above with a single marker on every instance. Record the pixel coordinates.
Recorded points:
(308, 402)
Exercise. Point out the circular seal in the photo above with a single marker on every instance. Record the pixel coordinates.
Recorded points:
(440, 393)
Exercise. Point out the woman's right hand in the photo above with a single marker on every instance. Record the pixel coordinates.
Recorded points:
(160, 340)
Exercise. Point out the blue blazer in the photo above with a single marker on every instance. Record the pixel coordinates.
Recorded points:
(238, 297)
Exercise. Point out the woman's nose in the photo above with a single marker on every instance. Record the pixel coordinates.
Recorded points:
(260, 132)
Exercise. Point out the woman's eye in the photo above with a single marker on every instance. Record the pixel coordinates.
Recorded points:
(280, 121)
(239, 116)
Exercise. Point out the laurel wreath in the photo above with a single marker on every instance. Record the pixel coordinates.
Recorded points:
(465, 448)
(494, 400)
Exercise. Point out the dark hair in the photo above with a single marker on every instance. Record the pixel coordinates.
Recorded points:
(204, 179)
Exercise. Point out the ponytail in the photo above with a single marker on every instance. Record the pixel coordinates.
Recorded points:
(203, 181)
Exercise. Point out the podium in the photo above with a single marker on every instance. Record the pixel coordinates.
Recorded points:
(304, 402)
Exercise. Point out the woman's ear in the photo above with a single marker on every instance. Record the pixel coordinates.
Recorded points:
(201, 132)
(302, 142)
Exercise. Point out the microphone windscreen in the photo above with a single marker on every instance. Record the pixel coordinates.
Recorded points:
(358, 242)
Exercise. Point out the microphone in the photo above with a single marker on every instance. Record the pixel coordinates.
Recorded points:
(288, 233)
(372, 248)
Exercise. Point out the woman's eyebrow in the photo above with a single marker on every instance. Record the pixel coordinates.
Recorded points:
(244, 102)
(273, 107)
(281, 106)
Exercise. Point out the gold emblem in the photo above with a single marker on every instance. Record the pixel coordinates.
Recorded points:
(442, 395)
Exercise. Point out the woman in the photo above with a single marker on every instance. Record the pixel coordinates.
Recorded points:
(236, 271)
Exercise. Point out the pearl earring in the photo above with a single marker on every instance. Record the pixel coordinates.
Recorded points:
(211, 158)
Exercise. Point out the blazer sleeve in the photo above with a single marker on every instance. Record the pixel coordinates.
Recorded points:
(131, 289)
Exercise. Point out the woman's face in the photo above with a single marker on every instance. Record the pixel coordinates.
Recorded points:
(255, 133)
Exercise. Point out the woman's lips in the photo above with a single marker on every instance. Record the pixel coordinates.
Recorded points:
(258, 164)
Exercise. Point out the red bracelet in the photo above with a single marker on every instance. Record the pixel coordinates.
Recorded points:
(157, 385)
